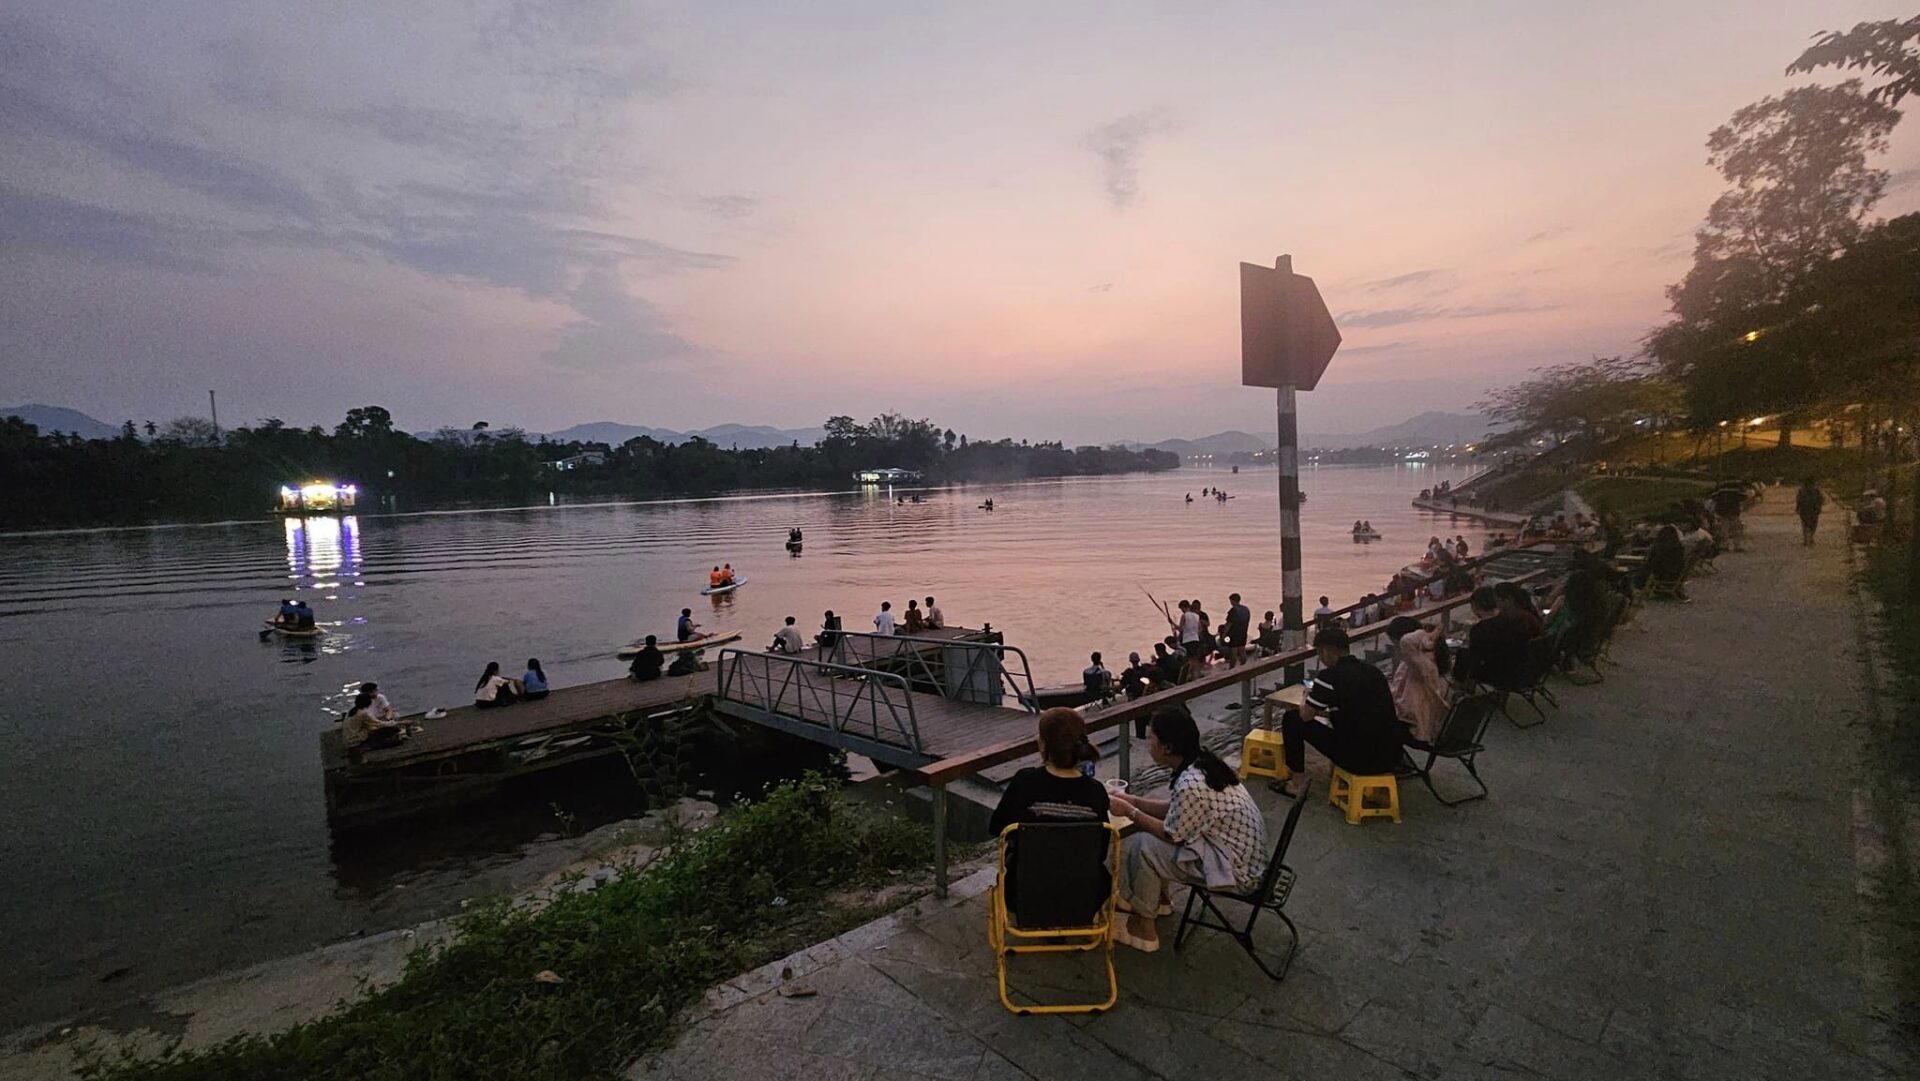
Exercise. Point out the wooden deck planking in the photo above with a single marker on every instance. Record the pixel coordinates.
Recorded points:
(468, 727)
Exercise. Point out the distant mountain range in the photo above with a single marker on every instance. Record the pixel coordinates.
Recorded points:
(1427, 429)
(53, 418)
(744, 436)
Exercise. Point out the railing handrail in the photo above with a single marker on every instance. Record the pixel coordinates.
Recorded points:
(1471, 564)
(998, 650)
(724, 677)
(946, 769)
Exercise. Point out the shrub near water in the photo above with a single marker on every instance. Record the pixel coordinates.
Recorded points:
(628, 956)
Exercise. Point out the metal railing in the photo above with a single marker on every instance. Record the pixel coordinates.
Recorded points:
(985, 675)
(842, 698)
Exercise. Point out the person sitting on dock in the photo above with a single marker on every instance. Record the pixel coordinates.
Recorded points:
(936, 619)
(1208, 832)
(1136, 681)
(648, 662)
(883, 623)
(787, 639)
(1269, 639)
(382, 708)
(1348, 715)
(495, 689)
(916, 621)
(686, 630)
(829, 635)
(1170, 659)
(366, 730)
(1518, 605)
(533, 685)
(1420, 692)
(1097, 679)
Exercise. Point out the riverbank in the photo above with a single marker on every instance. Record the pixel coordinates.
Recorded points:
(1668, 879)
(562, 983)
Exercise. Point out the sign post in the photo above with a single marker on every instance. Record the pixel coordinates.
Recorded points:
(1287, 338)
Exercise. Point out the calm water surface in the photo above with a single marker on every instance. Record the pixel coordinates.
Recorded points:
(162, 815)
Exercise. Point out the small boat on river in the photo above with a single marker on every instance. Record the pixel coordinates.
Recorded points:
(292, 632)
(714, 591)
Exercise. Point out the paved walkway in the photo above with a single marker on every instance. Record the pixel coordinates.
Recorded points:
(1662, 885)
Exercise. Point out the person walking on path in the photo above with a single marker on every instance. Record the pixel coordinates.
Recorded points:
(1807, 503)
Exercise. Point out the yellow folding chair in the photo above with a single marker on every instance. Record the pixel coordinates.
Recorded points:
(1065, 881)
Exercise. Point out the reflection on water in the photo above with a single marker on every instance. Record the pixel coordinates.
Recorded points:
(164, 792)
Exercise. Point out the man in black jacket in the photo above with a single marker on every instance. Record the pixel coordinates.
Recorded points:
(1348, 715)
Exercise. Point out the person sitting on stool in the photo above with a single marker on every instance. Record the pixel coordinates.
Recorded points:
(1348, 716)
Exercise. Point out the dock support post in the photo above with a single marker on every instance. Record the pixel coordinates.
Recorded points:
(1246, 701)
(1126, 751)
(940, 840)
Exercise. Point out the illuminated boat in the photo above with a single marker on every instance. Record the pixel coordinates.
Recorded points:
(885, 476)
(317, 497)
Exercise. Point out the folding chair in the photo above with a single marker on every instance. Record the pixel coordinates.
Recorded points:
(1063, 881)
(1531, 687)
(1275, 886)
(1460, 740)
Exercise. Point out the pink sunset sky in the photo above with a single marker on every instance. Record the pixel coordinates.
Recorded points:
(1015, 219)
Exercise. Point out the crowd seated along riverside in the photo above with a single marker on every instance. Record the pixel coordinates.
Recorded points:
(1432, 708)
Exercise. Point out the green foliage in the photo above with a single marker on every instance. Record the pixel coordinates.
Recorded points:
(1587, 402)
(1634, 498)
(190, 471)
(628, 956)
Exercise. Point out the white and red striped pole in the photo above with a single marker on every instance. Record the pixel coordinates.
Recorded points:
(1287, 453)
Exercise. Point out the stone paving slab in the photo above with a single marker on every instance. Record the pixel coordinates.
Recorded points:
(1661, 885)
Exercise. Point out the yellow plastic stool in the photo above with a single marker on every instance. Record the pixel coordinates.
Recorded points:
(1264, 755)
(1349, 793)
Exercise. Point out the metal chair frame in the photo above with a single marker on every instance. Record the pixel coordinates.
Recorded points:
(1002, 933)
(1276, 885)
(1461, 739)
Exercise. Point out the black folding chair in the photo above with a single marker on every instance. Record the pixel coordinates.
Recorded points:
(1460, 740)
(1055, 894)
(1276, 885)
(1532, 685)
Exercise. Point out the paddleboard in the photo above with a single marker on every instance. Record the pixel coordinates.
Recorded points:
(1366, 536)
(296, 632)
(719, 638)
(714, 590)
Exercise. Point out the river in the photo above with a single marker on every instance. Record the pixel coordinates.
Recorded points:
(163, 816)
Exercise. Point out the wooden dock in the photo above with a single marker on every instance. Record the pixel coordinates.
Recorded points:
(470, 752)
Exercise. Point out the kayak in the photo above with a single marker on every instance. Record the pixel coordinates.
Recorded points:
(718, 638)
(296, 632)
(1366, 535)
(712, 591)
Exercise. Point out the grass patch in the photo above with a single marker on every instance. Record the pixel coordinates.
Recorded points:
(628, 957)
(1893, 750)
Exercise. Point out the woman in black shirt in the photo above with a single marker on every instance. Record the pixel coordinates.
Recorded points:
(1056, 790)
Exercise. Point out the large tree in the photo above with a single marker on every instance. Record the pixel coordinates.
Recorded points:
(1890, 49)
(1799, 186)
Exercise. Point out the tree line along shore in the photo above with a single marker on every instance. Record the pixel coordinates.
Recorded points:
(189, 470)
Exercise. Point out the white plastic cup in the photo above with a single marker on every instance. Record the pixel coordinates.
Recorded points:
(1116, 785)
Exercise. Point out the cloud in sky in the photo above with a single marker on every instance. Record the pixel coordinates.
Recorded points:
(1372, 318)
(689, 215)
(1118, 144)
